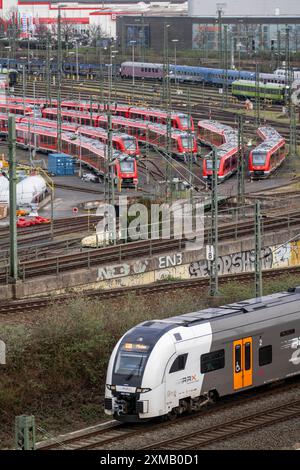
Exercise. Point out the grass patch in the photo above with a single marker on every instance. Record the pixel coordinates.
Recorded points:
(56, 367)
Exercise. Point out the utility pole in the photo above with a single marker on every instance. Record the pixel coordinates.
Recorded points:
(258, 265)
(48, 71)
(289, 78)
(101, 74)
(190, 140)
(13, 260)
(257, 96)
(241, 162)
(166, 69)
(24, 86)
(59, 76)
(225, 95)
(109, 189)
(288, 71)
(214, 275)
(220, 49)
(278, 48)
(168, 148)
(293, 150)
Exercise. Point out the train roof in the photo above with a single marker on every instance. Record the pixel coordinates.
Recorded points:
(144, 110)
(278, 86)
(235, 309)
(272, 139)
(230, 135)
(95, 144)
(140, 64)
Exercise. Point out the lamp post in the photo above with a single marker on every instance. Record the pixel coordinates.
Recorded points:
(59, 75)
(110, 134)
(175, 59)
(133, 71)
(8, 59)
(8, 56)
(166, 74)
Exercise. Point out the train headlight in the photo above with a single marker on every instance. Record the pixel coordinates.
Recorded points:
(110, 387)
(143, 390)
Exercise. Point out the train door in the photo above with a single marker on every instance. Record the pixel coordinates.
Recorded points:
(242, 363)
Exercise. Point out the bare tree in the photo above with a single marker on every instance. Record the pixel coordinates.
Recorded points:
(13, 30)
(42, 33)
(95, 33)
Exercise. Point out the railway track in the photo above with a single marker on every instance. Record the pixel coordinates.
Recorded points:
(206, 108)
(147, 91)
(117, 253)
(246, 424)
(113, 431)
(38, 303)
(37, 233)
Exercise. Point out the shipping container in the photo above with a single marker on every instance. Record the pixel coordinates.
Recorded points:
(60, 164)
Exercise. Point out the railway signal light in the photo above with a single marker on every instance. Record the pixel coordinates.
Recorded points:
(253, 45)
(272, 45)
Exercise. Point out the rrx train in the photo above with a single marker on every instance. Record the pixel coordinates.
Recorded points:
(176, 365)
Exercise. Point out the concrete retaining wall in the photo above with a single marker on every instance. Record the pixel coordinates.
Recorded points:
(236, 256)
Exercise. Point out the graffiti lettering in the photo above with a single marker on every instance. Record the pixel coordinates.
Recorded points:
(233, 263)
(122, 270)
(168, 261)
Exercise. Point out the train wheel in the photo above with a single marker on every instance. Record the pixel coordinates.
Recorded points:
(172, 415)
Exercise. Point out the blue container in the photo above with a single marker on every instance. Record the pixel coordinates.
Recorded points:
(60, 164)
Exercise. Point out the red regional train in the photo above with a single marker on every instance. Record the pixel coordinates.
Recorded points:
(15, 108)
(225, 139)
(91, 152)
(179, 120)
(182, 143)
(267, 156)
(121, 141)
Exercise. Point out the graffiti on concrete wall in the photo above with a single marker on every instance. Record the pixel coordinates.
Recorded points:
(232, 263)
(122, 270)
(272, 257)
(286, 255)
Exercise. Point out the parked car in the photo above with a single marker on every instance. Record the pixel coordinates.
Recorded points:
(90, 177)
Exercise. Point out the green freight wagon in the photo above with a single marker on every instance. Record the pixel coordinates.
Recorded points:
(267, 91)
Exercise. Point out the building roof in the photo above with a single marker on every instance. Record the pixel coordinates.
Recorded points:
(98, 3)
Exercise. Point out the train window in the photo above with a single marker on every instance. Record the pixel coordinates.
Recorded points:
(238, 359)
(265, 355)
(287, 332)
(177, 336)
(212, 361)
(179, 363)
(247, 356)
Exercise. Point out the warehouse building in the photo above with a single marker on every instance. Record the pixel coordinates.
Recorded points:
(244, 8)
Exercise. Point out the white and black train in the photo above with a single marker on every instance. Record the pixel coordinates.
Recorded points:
(167, 367)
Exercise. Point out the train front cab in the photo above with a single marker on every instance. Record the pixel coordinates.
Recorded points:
(262, 164)
(126, 172)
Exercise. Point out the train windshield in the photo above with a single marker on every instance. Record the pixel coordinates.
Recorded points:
(187, 142)
(127, 166)
(209, 164)
(184, 121)
(129, 144)
(258, 158)
(130, 363)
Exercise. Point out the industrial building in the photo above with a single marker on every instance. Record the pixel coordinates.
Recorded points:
(244, 8)
(82, 14)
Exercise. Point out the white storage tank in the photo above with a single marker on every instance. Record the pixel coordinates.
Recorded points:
(29, 190)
